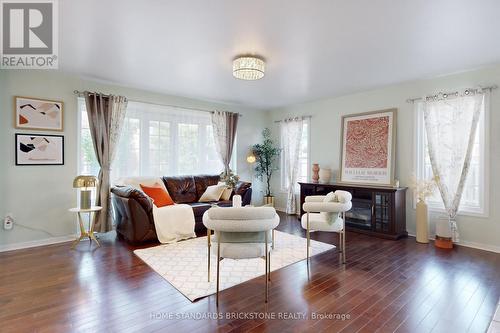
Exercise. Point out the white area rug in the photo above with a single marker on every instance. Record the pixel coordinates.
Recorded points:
(184, 264)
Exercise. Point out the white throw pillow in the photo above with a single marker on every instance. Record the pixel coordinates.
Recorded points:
(330, 197)
(226, 195)
(212, 193)
(343, 196)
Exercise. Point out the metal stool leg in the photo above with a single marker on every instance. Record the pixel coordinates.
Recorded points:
(343, 238)
(272, 246)
(218, 270)
(209, 232)
(269, 267)
(308, 237)
(267, 261)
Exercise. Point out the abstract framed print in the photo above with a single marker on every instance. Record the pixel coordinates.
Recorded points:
(37, 149)
(368, 148)
(38, 114)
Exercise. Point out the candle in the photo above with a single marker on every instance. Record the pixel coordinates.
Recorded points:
(236, 200)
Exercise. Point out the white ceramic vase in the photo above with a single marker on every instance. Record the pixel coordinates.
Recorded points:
(325, 175)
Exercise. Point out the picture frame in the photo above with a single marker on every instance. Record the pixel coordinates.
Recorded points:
(368, 148)
(38, 114)
(39, 149)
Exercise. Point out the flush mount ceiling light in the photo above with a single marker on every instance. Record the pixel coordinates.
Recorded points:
(248, 68)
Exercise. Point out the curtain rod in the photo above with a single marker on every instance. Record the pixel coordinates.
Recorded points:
(303, 117)
(80, 94)
(490, 88)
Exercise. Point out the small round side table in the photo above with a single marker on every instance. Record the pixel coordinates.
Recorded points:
(84, 233)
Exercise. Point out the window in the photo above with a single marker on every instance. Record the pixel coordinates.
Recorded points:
(156, 141)
(303, 172)
(474, 198)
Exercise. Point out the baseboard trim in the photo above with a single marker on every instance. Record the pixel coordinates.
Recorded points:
(473, 245)
(36, 243)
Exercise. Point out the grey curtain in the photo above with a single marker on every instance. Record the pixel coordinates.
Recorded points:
(106, 115)
(225, 125)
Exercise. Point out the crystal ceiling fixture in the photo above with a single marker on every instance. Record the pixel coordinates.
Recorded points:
(249, 68)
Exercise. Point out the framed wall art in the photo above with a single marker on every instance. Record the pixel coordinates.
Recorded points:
(368, 148)
(39, 149)
(38, 114)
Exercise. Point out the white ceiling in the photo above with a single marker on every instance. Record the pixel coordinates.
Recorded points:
(313, 48)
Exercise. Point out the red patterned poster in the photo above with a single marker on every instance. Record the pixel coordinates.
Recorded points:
(368, 147)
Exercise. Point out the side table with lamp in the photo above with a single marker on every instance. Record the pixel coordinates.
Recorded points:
(83, 232)
(85, 184)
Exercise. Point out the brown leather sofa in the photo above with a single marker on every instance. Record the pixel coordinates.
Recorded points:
(133, 210)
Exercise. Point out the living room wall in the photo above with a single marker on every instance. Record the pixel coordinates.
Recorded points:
(39, 196)
(325, 140)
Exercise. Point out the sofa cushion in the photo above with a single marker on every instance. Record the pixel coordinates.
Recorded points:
(224, 203)
(130, 192)
(204, 181)
(241, 187)
(212, 193)
(182, 189)
(158, 194)
(200, 207)
(228, 191)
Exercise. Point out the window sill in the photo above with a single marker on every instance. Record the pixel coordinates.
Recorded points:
(438, 210)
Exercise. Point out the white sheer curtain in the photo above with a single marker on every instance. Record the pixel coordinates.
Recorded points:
(450, 125)
(291, 136)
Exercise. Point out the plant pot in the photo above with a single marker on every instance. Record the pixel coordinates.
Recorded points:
(443, 242)
(269, 200)
(444, 239)
(422, 222)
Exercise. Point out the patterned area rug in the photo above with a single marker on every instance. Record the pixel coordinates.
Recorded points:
(184, 264)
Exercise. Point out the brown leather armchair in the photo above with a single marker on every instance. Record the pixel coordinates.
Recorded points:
(133, 210)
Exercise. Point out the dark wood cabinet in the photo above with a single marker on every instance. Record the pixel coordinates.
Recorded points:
(377, 211)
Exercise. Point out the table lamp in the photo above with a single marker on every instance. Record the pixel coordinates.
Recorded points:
(85, 184)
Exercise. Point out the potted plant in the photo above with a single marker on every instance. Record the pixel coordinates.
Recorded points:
(266, 154)
(229, 178)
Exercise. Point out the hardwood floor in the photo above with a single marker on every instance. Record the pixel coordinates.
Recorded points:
(385, 286)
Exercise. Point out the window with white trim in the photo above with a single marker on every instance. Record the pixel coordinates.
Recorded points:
(156, 140)
(474, 197)
(303, 172)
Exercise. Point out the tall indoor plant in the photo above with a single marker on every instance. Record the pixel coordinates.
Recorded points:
(266, 154)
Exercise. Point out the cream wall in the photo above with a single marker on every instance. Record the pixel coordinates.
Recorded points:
(39, 196)
(325, 140)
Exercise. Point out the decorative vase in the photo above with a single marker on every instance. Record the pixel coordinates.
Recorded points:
(269, 200)
(325, 175)
(422, 222)
(315, 170)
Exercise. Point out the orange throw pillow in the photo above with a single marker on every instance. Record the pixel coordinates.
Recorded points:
(159, 195)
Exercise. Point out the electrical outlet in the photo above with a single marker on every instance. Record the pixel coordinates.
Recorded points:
(8, 222)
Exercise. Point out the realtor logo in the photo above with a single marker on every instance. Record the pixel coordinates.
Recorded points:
(29, 34)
